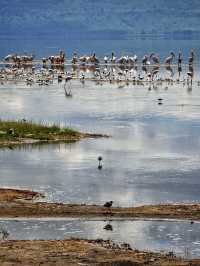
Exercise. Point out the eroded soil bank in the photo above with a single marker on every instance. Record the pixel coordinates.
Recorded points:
(82, 252)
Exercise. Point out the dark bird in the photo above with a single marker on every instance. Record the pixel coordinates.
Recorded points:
(100, 162)
(108, 227)
(11, 131)
(108, 204)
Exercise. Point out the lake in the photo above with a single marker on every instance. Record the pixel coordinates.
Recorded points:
(152, 155)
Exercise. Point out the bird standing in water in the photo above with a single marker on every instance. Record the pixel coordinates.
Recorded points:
(155, 58)
(100, 162)
(180, 58)
(191, 57)
(170, 58)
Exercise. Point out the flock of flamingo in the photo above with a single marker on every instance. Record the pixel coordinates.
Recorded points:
(25, 68)
(93, 59)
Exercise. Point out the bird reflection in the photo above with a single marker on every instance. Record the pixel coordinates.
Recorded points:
(179, 71)
(108, 227)
(190, 75)
(144, 69)
(169, 70)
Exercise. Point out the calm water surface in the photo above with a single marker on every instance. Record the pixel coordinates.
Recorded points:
(152, 156)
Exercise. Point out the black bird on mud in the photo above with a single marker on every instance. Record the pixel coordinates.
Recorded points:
(108, 204)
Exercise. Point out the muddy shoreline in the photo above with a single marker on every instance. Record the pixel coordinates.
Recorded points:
(76, 252)
(44, 209)
(67, 139)
(20, 203)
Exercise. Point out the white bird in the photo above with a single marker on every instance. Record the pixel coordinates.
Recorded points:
(105, 59)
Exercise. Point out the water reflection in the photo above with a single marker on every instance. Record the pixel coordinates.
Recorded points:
(179, 237)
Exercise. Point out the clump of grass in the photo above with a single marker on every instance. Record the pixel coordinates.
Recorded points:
(12, 130)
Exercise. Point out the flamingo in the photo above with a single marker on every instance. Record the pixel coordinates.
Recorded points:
(180, 58)
(105, 59)
(74, 58)
(145, 60)
(134, 58)
(155, 58)
(170, 58)
(113, 58)
(191, 57)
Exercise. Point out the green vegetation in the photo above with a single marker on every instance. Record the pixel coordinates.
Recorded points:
(19, 130)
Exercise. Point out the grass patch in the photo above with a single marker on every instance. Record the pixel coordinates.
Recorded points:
(16, 130)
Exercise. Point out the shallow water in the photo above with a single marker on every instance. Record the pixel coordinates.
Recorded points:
(177, 236)
(152, 156)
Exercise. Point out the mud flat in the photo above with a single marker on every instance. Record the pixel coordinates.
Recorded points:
(9, 195)
(44, 209)
(20, 203)
(82, 252)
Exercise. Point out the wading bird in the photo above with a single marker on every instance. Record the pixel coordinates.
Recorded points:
(154, 58)
(108, 204)
(170, 58)
(100, 164)
(191, 57)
